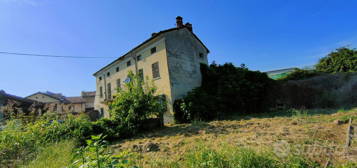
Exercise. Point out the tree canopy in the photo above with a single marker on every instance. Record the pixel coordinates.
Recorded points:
(341, 60)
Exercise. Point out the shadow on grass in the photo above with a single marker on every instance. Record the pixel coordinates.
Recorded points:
(200, 127)
(288, 113)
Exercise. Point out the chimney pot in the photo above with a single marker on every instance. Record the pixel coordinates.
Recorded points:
(189, 26)
(179, 22)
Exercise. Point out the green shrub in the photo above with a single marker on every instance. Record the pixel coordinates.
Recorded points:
(19, 142)
(96, 155)
(107, 127)
(134, 104)
(225, 90)
(299, 74)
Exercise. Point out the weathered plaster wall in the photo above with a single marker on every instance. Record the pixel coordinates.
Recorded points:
(178, 55)
(184, 62)
(162, 83)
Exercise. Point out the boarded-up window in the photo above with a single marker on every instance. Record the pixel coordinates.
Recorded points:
(118, 83)
(141, 74)
(155, 70)
(109, 91)
(101, 92)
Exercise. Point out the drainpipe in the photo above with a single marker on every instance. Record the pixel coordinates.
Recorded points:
(105, 87)
(136, 63)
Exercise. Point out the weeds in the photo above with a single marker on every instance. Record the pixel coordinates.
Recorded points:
(96, 155)
(57, 155)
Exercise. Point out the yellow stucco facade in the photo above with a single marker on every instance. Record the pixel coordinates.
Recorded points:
(178, 53)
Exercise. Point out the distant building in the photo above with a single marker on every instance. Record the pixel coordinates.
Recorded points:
(171, 58)
(48, 97)
(280, 73)
(16, 101)
(57, 102)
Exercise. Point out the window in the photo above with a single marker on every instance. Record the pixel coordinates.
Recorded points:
(109, 91)
(153, 50)
(128, 63)
(100, 78)
(101, 92)
(141, 74)
(108, 74)
(201, 55)
(138, 58)
(118, 83)
(155, 70)
(117, 69)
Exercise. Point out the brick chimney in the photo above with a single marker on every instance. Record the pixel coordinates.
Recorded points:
(179, 22)
(189, 26)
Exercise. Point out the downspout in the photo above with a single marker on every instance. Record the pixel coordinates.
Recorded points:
(136, 63)
(105, 87)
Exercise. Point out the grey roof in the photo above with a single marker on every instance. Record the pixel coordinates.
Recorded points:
(88, 94)
(57, 96)
(13, 97)
(148, 40)
(76, 99)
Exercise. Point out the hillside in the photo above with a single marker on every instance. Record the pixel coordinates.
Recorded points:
(319, 135)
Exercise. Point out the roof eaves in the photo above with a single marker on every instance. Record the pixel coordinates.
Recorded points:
(141, 44)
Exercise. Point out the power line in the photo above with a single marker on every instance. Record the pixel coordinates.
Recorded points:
(47, 55)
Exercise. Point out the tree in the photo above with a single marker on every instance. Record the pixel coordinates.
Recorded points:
(341, 60)
(225, 90)
(135, 103)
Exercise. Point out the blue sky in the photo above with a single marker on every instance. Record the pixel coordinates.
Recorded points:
(265, 35)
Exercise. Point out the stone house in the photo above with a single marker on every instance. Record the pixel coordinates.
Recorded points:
(56, 102)
(171, 58)
(13, 103)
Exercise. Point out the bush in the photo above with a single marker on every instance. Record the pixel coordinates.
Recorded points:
(19, 142)
(299, 74)
(225, 90)
(107, 127)
(96, 155)
(134, 104)
(341, 60)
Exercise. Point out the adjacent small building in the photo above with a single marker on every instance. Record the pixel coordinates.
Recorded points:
(171, 58)
(48, 97)
(57, 102)
(15, 102)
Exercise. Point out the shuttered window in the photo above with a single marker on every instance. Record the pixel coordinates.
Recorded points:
(109, 91)
(141, 74)
(155, 70)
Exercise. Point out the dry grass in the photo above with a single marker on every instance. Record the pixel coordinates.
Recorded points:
(313, 134)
